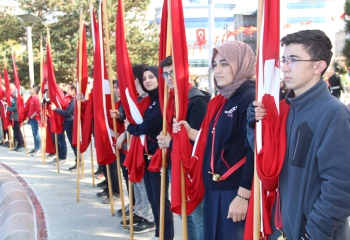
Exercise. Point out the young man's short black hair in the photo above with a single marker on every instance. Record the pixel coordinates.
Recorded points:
(138, 70)
(316, 43)
(36, 89)
(168, 61)
(72, 86)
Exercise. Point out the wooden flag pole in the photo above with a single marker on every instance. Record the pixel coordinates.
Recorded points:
(131, 197)
(110, 77)
(9, 128)
(57, 159)
(165, 132)
(183, 186)
(11, 142)
(131, 212)
(25, 139)
(256, 216)
(56, 143)
(80, 58)
(92, 164)
(182, 177)
(43, 113)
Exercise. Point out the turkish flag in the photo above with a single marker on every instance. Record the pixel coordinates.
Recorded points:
(134, 159)
(82, 82)
(181, 152)
(6, 118)
(104, 134)
(269, 154)
(20, 104)
(44, 81)
(56, 94)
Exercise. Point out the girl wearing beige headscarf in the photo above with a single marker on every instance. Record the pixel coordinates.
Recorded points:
(222, 145)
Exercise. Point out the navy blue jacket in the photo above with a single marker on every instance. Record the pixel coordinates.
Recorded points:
(68, 113)
(151, 125)
(231, 143)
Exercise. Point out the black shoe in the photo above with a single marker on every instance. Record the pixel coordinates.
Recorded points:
(120, 213)
(20, 149)
(33, 151)
(6, 144)
(144, 226)
(136, 220)
(15, 148)
(115, 197)
(102, 184)
(103, 194)
(50, 156)
(73, 168)
(98, 172)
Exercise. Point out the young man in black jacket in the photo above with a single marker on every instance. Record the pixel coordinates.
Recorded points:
(196, 111)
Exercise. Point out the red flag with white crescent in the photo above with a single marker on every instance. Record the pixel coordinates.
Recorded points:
(104, 134)
(134, 159)
(20, 104)
(269, 160)
(55, 93)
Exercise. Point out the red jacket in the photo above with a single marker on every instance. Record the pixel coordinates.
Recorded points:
(33, 106)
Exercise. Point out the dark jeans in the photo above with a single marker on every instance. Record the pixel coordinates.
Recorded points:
(153, 185)
(114, 176)
(62, 147)
(17, 134)
(35, 129)
(68, 127)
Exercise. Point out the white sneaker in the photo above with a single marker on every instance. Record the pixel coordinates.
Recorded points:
(155, 238)
(62, 161)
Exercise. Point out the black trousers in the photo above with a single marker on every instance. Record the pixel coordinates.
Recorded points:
(153, 185)
(114, 176)
(68, 127)
(17, 134)
(126, 176)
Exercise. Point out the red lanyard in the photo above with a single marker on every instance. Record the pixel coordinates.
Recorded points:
(217, 177)
(214, 134)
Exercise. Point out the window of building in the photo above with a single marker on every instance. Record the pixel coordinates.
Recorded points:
(198, 62)
(306, 5)
(306, 19)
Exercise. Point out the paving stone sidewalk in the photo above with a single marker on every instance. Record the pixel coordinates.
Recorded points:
(65, 217)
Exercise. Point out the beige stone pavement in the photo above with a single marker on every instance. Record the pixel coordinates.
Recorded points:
(88, 219)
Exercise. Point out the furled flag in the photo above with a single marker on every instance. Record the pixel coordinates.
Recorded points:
(4, 113)
(104, 134)
(269, 159)
(89, 111)
(20, 104)
(83, 82)
(134, 159)
(182, 149)
(56, 94)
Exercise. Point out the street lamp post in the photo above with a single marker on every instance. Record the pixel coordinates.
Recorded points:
(30, 19)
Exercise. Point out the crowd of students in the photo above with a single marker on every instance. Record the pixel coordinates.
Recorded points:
(313, 184)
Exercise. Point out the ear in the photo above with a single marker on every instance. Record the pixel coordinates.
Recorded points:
(137, 80)
(319, 67)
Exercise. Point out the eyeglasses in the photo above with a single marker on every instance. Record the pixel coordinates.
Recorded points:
(167, 74)
(292, 61)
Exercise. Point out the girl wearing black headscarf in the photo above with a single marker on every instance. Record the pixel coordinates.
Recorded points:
(151, 127)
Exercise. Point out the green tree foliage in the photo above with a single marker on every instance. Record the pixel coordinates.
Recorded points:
(61, 17)
(346, 49)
